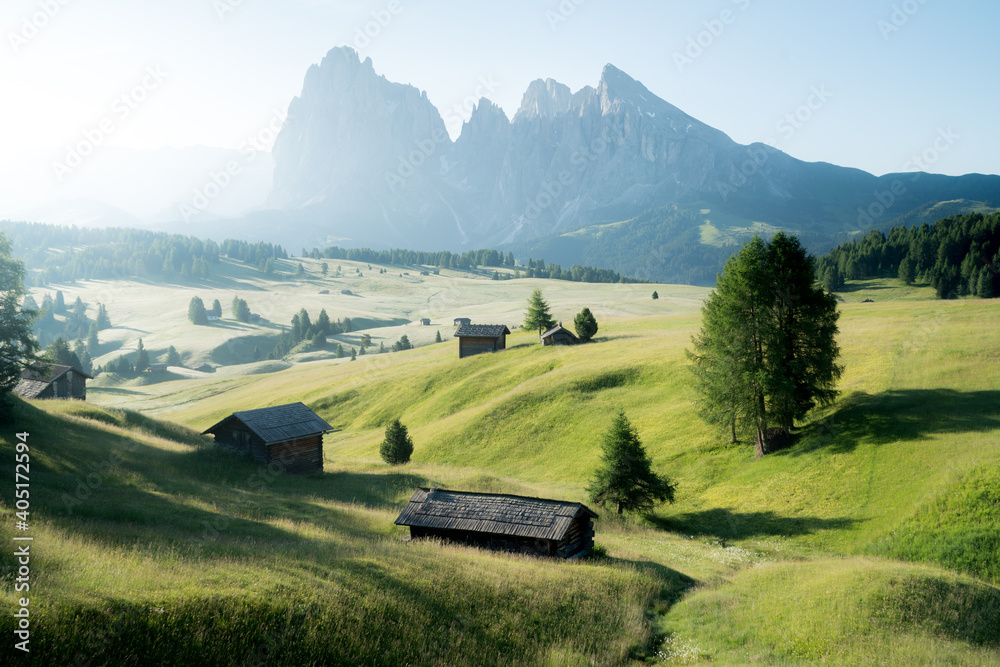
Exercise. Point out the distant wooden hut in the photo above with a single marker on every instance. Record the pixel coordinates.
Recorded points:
(480, 338)
(157, 368)
(52, 381)
(426, 321)
(289, 436)
(501, 522)
(559, 335)
(462, 321)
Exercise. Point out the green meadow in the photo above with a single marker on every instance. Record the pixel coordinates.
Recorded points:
(875, 539)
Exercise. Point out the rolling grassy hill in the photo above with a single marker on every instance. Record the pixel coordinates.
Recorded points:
(875, 539)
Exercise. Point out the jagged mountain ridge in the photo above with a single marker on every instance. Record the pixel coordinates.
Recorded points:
(367, 161)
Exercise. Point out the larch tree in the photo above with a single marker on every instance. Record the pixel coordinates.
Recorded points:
(766, 353)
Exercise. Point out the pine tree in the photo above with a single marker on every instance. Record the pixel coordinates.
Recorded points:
(92, 339)
(354, 354)
(103, 321)
(625, 477)
(437, 337)
(985, 284)
(217, 308)
(257, 354)
(325, 268)
(402, 344)
(381, 347)
(79, 307)
(585, 325)
(18, 346)
(141, 359)
(340, 351)
(537, 315)
(323, 322)
(173, 357)
(58, 352)
(655, 295)
(60, 305)
(766, 353)
(397, 447)
(196, 311)
(906, 271)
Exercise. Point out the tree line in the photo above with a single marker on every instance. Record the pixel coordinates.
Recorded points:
(957, 256)
(114, 253)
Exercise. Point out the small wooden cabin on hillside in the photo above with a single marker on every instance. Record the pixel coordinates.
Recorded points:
(559, 335)
(290, 436)
(53, 381)
(480, 338)
(461, 321)
(501, 522)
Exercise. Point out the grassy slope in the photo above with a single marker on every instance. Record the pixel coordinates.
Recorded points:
(385, 305)
(783, 539)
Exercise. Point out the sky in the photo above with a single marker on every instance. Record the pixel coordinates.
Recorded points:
(884, 86)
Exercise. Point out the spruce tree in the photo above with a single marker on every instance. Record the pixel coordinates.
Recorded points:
(437, 337)
(103, 321)
(625, 477)
(585, 325)
(655, 295)
(173, 358)
(141, 359)
(397, 446)
(196, 311)
(538, 315)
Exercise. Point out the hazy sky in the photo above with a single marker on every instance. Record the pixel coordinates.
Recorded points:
(885, 79)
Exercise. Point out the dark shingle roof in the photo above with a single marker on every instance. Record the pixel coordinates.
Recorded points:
(495, 513)
(35, 379)
(557, 328)
(279, 423)
(482, 330)
(55, 371)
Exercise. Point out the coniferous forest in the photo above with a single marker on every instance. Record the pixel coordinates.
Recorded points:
(957, 256)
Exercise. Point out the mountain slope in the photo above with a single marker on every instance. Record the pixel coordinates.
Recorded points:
(367, 161)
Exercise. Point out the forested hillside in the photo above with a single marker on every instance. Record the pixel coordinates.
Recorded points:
(958, 256)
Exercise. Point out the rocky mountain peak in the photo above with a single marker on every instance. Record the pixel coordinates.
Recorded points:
(545, 98)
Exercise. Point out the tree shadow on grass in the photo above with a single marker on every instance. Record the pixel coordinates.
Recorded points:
(727, 524)
(907, 414)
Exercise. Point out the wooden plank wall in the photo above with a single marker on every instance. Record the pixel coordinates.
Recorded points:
(298, 457)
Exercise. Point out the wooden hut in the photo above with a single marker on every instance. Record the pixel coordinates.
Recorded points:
(480, 338)
(559, 335)
(426, 321)
(462, 321)
(501, 522)
(52, 381)
(290, 436)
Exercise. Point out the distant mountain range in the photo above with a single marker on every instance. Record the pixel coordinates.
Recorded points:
(365, 161)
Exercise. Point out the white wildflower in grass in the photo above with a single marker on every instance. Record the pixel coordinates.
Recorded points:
(678, 651)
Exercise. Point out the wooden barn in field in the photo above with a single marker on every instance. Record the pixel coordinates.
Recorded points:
(501, 522)
(480, 338)
(290, 436)
(559, 335)
(462, 321)
(52, 381)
